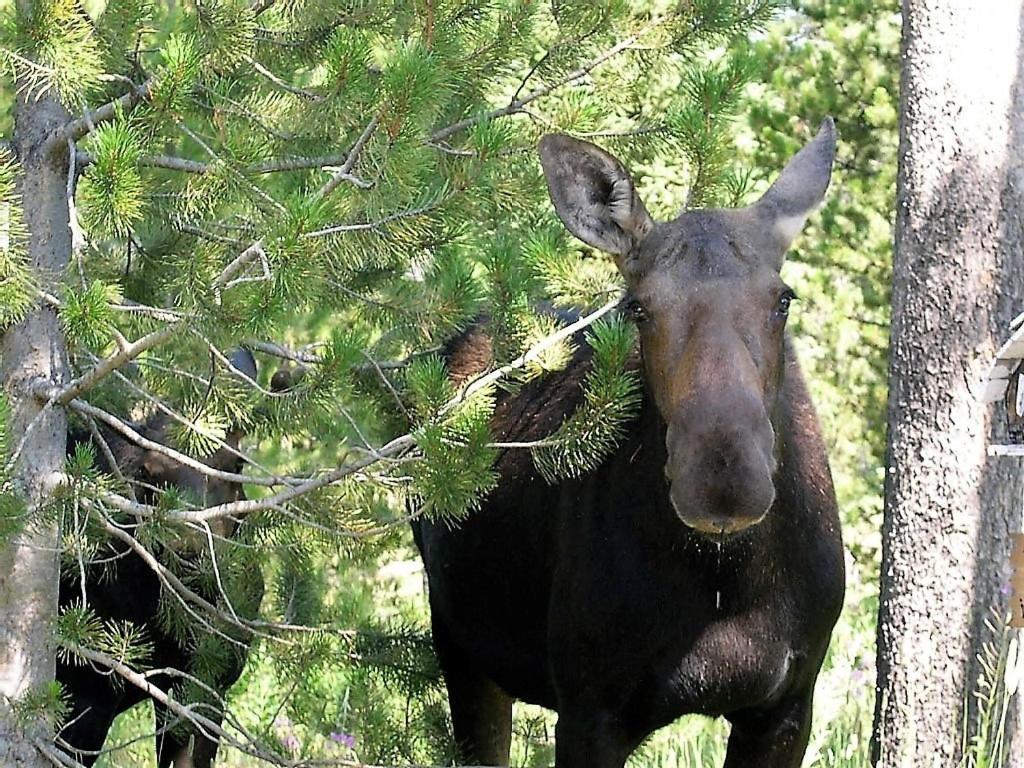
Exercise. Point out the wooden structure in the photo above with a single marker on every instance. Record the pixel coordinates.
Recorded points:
(1004, 382)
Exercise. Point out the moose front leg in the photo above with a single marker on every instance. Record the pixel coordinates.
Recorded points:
(775, 737)
(589, 740)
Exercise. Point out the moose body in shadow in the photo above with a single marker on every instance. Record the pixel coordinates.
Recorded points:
(122, 587)
(699, 569)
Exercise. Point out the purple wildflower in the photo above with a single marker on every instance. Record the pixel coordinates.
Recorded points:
(345, 739)
(285, 730)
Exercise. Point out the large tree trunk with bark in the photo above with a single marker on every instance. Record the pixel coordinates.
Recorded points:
(32, 352)
(958, 280)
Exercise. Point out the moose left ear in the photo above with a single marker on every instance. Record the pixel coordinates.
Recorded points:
(593, 195)
(242, 360)
(799, 190)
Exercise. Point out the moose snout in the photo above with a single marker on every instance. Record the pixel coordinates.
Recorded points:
(720, 467)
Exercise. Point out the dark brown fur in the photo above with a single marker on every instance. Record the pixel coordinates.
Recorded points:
(699, 569)
(125, 589)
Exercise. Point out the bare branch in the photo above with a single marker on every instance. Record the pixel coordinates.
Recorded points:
(245, 506)
(96, 374)
(282, 352)
(272, 165)
(79, 127)
(174, 585)
(284, 86)
(172, 163)
(276, 165)
(213, 237)
(387, 384)
(150, 445)
(55, 756)
(369, 225)
(233, 268)
(189, 424)
(344, 173)
(481, 382)
(205, 725)
(241, 176)
(111, 461)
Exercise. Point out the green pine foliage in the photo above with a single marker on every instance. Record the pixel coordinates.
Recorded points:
(352, 184)
(17, 292)
(611, 394)
(454, 473)
(54, 49)
(110, 196)
(86, 314)
(44, 704)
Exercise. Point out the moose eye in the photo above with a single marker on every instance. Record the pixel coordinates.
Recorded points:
(785, 300)
(636, 311)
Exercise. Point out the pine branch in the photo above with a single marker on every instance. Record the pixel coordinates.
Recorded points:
(55, 756)
(172, 163)
(371, 225)
(84, 125)
(115, 468)
(296, 163)
(188, 424)
(237, 264)
(344, 173)
(261, 194)
(176, 587)
(209, 728)
(238, 508)
(284, 86)
(516, 105)
(151, 445)
(389, 452)
(251, 628)
(94, 376)
(213, 237)
(273, 165)
(481, 382)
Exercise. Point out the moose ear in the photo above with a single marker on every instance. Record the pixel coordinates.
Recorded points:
(799, 189)
(593, 194)
(241, 359)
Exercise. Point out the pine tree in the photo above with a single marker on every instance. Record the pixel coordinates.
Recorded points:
(338, 187)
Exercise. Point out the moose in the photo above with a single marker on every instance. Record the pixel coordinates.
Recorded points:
(700, 568)
(121, 586)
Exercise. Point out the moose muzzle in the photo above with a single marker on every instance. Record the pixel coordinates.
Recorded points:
(721, 463)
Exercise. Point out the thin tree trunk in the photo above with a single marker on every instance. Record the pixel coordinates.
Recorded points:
(31, 351)
(958, 279)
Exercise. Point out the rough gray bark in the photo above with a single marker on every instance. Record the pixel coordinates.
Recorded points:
(958, 279)
(31, 351)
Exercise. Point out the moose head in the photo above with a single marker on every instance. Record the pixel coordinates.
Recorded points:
(711, 307)
(152, 470)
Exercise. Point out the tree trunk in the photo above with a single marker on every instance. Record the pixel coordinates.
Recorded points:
(958, 279)
(32, 351)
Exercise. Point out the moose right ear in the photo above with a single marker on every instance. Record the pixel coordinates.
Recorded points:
(593, 194)
(799, 190)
